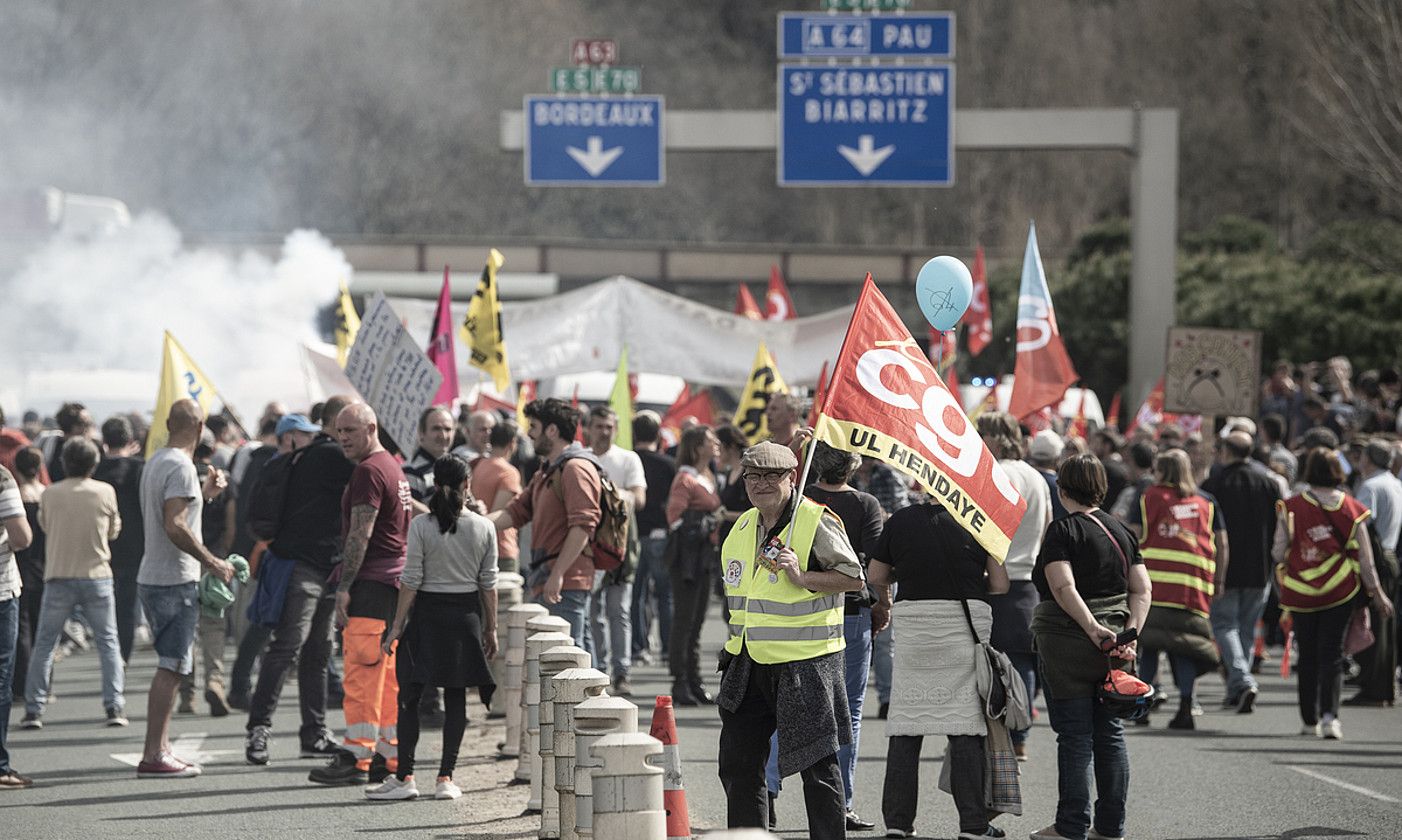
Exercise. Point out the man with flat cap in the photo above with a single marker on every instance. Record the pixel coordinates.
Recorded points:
(784, 569)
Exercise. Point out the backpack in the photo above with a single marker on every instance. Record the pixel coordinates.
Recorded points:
(268, 494)
(610, 538)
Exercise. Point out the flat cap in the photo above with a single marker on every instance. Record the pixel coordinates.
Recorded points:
(769, 456)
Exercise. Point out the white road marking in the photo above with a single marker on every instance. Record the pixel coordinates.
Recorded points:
(1368, 792)
(187, 747)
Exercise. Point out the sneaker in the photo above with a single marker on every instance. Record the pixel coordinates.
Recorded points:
(218, 705)
(622, 687)
(116, 718)
(1331, 730)
(166, 766)
(10, 780)
(856, 823)
(393, 789)
(1182, 720)
(379, 769)
(324, 746)
(990, 833)
(1095, 835)
(238, 700)
(1312, 729)
(341, 770)
(642, 658)
(255, 746)
(1048, 833)
(31, 721)
(1020, 750)
(1246, 703)
(445, 789)
(1198, 710)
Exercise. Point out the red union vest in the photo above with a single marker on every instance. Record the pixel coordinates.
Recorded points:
(1179, 548)
(1321, 565)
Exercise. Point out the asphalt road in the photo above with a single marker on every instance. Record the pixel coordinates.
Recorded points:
(1238, 777)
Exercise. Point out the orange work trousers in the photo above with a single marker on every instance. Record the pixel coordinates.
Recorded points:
(372, 694)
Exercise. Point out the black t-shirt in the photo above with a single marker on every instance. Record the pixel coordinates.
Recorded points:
(124, 474)
(733, 497)
(931, 556)
(1116, 479)
(1096, 566)
(1246, 498)
(659, 470)
(860, 514)
(311, 527)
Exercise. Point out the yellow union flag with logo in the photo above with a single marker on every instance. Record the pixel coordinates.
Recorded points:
(481, 329)
(181, 379)
(764, 381)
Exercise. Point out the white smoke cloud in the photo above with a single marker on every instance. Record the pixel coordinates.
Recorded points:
(87, 313)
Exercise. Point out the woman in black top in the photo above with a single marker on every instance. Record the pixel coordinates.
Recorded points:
(1093, 585)
(938, 564)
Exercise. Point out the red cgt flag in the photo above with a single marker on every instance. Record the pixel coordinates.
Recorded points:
(979, 316)
(1043, 371)
(778, 304)
(886, 400)
(440, 346)
(745, 304)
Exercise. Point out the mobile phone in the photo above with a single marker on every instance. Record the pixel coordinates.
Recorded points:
(1122, 639)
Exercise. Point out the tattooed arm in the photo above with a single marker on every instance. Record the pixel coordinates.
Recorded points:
(362, 525)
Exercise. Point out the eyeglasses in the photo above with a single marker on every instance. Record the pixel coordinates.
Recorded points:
(764, 477)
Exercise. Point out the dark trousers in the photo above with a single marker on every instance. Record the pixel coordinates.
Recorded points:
(127, 601)
(454, 725)
(27, 605)
(690, 598)
(1320, 637)
(901, 790)
(303, 636)
(1377, 679)
(744, 747)
(251, 646)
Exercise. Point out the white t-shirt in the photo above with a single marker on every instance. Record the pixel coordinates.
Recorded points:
(11, 506)
(1027, 539)
(624, 468)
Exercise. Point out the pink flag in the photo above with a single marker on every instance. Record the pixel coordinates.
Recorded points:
(440, 346)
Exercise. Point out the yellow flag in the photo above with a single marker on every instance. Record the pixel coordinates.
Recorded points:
(621, 401)
(347, 324)
(180, 378)
(481, 329)
(764, 380)
(525, 393)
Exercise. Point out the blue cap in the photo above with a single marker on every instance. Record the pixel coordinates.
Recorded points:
(296, 423)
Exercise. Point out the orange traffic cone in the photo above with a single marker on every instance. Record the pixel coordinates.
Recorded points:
(664, 729)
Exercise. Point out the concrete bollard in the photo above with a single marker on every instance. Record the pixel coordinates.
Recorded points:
(516, 618)
(572, 687)
(593, 719)
(508, 595)
(628, 788)
(553, 660)
(528, 762)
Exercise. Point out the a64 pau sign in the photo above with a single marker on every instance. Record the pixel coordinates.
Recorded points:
(887, 401)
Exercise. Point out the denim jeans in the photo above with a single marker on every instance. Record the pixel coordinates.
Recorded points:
(651, 570)
(1025, 664)
(61, 595)
(1089, 736)
(1234, 616)
(609, 610)
(1185, 672)
(574, 608)
(9, 634)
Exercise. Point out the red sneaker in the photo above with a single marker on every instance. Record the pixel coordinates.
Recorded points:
(166, 766)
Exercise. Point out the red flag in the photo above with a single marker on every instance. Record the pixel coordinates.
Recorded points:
(886, 400)
(1043, 371)
(1113, 418)
(1078, 423)
(944, 352)
(686, 405)
(778, 305)
(440, 346)
(1151, 413)
(979, 316)
(818, 394)
(745, 304)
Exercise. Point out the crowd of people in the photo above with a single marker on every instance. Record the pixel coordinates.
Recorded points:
(1208, 547)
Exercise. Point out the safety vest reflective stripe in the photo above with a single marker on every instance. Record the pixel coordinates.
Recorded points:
(766, 607)
(1321, 570)
(1181, 579)
(795, 634)
(736, 629)
(1322, 589)
(735, 602)
(1185, 557)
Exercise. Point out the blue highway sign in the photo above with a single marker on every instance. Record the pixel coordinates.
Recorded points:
(803, 35)
(594, 141)
(854, 126)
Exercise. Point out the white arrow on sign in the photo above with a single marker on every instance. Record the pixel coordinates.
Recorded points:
(187, 747)
(865, 158)
(595, 160)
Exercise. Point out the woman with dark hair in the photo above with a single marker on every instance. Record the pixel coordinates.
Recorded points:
(693, 509)
(1183, 541)
(1093, 586)
(1325, 569)
(30, 475)
(445, 622)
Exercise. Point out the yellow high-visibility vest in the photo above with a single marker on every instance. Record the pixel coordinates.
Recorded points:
(777, 621)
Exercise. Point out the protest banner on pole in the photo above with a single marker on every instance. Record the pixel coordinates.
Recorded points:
(393, 375)
(764, 380)
(886, 400)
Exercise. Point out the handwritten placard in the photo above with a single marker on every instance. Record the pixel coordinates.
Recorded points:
(392, 373)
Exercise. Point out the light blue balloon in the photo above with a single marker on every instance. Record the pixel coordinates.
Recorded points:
(943, 289)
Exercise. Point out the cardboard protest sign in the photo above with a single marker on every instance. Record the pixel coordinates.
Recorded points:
(393, 375)
(1210, 371)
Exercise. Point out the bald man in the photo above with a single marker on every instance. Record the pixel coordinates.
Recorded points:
(479, 435)
(174, 557)
(1246, 499)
